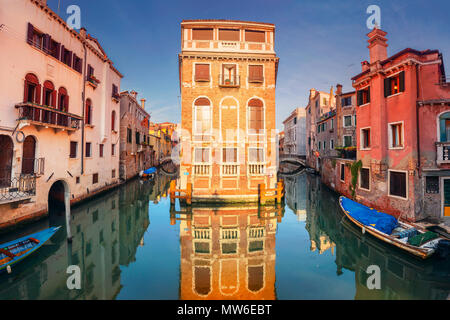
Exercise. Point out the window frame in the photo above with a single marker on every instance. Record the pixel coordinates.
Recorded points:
(256, 162)
(230, 162)
(351, 121)
(406, 184)
(351, 140)
(194, 73)
(76, 149)
(256, 80)
(361, 139)
(195, 162)
(359, 180)
(263, 130)
(390, 137)
(342, 166)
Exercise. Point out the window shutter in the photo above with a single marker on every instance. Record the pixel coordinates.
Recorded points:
(61, 54)
(402, 81)
(66, 103)
(37, 99)
(368, 94)
(54, 99)
(57, 50)
(201, 72)
(359, 97)
(70, 58)
(46, 43)
(387, 87)
(25, 91)
(30, 33)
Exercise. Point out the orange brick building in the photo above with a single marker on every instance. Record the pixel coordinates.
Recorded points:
(228, 72)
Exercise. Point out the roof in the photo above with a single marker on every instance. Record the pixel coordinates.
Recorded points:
(227, 21)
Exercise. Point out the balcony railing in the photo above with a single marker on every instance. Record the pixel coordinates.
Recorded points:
(256, 169)
(256, 232)
(36, 165)
(230, 46)
(17, 188)
(230, 169)
(230, 234)
(229, 81)
(443, 152)
(49, 117)
(202, 169)
(202, 233)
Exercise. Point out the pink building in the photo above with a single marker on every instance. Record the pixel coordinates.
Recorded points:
(54, 143)
(403, 129)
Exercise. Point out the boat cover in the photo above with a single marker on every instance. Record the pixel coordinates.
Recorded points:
(150, 170)
(368, 216)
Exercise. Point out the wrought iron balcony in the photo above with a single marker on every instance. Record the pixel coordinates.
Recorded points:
(43, 116)
(443, 152)
(14, 189)
(229, 81)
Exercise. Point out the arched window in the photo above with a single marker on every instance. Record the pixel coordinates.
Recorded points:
(255, 116)
(444, 127)
(88, 112)
(63, 99)
(49, 94)
(202, 280)
(113, 120)
(32, 89)
(202, 118)
(255, 280)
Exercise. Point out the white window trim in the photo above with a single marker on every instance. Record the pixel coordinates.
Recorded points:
(247, 117)
(359, 180)
(231, 63)
(390, 135)
(361, 138)
(255, 162)
(389, 184)
(342, 166)
(209, 156)
(343, 140)
(194, 109)
(438, 128)
(351, 121)
(229, 147)
(193, 74)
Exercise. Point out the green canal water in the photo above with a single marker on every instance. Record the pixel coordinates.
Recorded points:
(127, 247)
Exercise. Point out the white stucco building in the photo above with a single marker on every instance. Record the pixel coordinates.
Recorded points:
(295, 133)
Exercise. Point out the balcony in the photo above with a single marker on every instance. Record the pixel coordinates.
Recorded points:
(92, 81)
(17, 189)
(227, 46)
(230, 169)
(256, 169)
(201, 169)
(443, 153)
(226, 81)
(46, 117)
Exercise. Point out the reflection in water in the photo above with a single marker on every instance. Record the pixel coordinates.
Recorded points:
(130, 244)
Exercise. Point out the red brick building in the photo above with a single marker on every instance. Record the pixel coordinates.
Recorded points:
(403, 112)
(228, 73)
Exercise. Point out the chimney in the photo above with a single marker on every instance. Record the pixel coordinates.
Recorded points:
(83, 32)
(43, 2)
(133, 94)
(377, 45)
(143, 103)
(338, 89)
(312, 93)
(364, 65)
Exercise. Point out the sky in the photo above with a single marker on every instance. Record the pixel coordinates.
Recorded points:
(319, 43)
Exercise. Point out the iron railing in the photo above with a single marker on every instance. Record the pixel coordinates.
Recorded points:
(48, 116)
(17, 188)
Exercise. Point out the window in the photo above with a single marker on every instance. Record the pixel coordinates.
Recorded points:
(202, 34)
(364, 178)
(319, 145)
(324, 145)
(55, 49)
(138, 137)
(77, 180)
(256, 155)
(201, 155)
(347, 121)
(295, 120)
(95, 178)
(331, 144)
(202, 72)
(255, 36)
(66, 56)
(229, 34)
(88, 149)
(115, 91)
(113, 149)
(49, 97)
(332, 124)
(255, 116)
(432, 184)
(444, 127)
(229, 75)
(88, 112)
(397, 184)
(343, 172)
(365, 138)
(396, 135)
(202, 119)
(34, 37)
(113, 174)
(347, 141)
(229, 155)
(77, 63)
(325, 101)
(73, 149)
(347, 101)
(255, 73)
(113, 120)
(363, 96)
(100, 150)
(129, 135)
(90, 72)
(32, 89)
(394, 84)
(63, 99)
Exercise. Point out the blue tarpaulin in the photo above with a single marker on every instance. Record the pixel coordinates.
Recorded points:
(150, 170)
(369, 217)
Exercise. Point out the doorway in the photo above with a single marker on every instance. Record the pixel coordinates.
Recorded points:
(6, 156)
(29, 152)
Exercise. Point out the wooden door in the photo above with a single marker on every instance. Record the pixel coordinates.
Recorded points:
(29, 152)
(6, 145)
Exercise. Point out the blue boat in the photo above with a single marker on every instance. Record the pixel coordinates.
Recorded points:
(15, 251)
(387, 228)
(148, 173)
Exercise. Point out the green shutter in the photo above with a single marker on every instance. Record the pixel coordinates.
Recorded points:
(402, 81)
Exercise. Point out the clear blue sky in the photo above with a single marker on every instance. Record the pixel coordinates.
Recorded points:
(320, 43)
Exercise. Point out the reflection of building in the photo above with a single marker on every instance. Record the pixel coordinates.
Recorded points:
(162, 140)
(228, 72)
(295, 133)
(52, 141)
(295, 196)
(228, 253)
(135, 152)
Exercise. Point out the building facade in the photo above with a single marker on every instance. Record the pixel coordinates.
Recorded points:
(135, 151)
(402, 111)
(228, 75)
(54, 143)
(295, 133)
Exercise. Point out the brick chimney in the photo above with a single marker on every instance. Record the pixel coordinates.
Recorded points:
(83, 32)
(134, 94)
(338, 89)
(312, 93)
(377, 45)
(365, 65)
(143, 103)
(43, 2)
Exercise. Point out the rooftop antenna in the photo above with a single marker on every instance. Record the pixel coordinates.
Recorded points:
(59, 2)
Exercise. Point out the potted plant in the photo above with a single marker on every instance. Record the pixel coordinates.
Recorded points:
(227, 82)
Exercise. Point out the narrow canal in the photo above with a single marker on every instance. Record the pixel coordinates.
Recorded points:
(129, 244)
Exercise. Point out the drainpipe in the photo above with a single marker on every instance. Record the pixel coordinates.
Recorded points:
(417, 122)
(83, 102)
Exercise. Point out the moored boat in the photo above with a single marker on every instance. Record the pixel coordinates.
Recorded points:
(14, 251)
(406, 236)
(148, 173)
